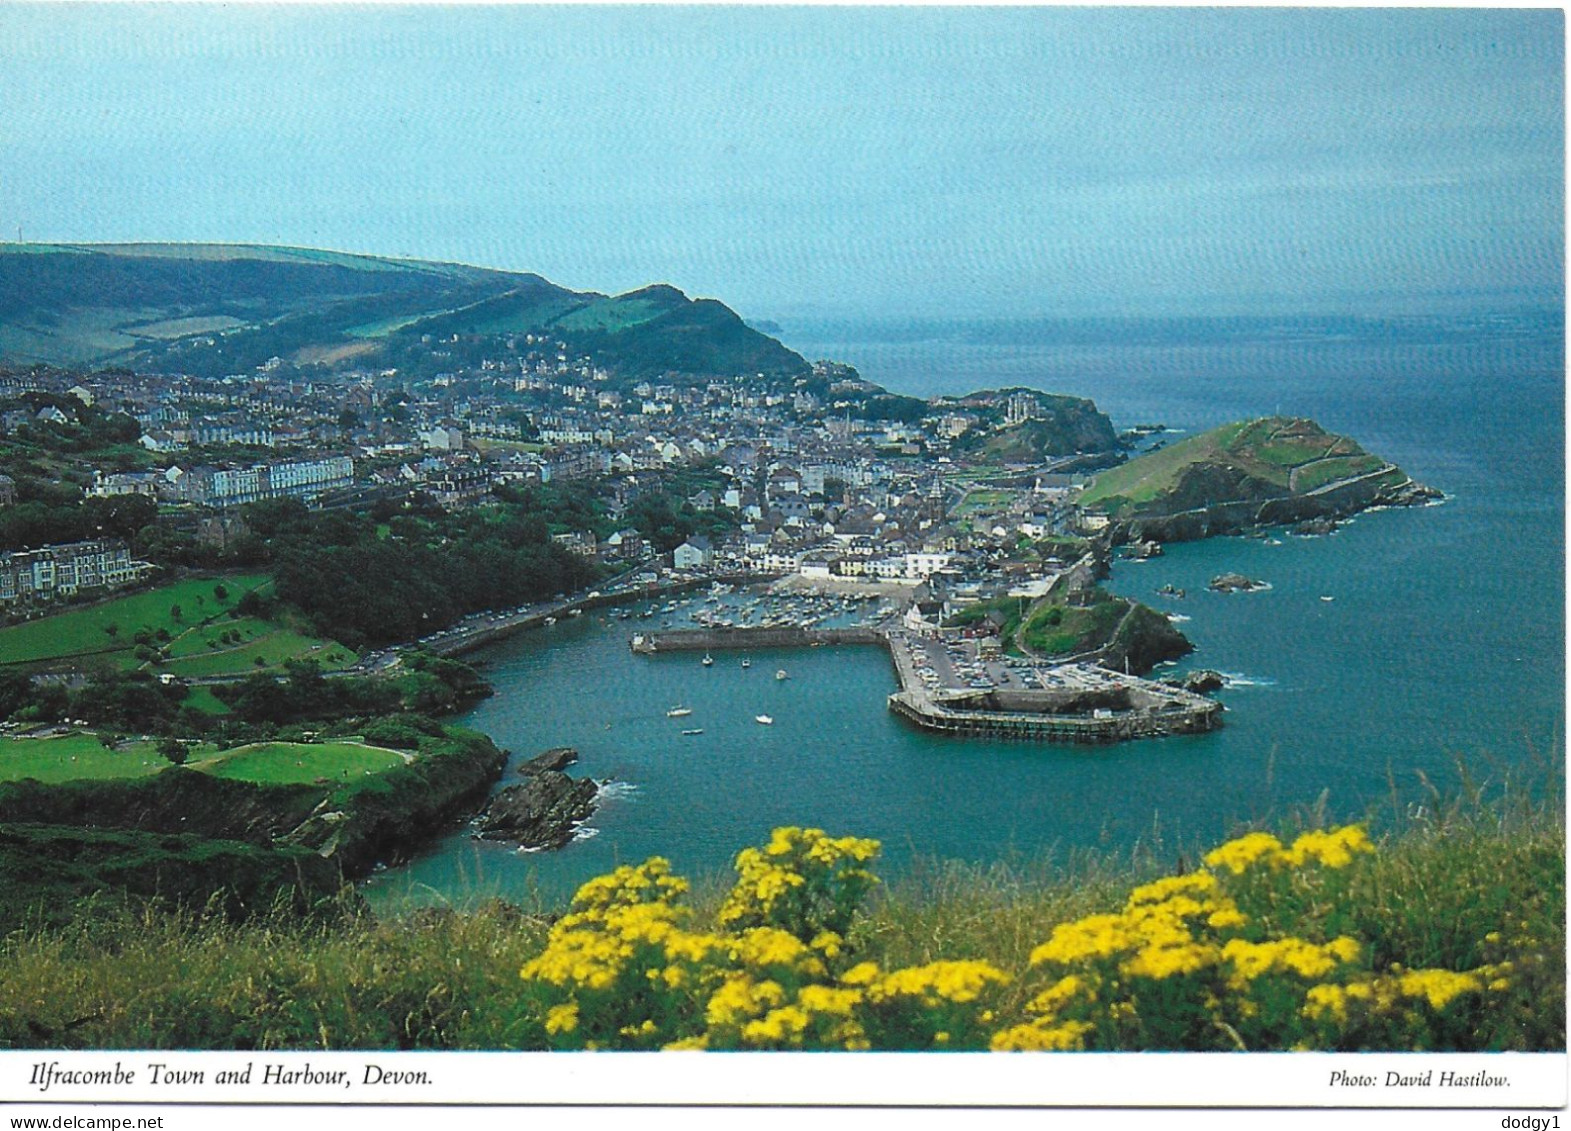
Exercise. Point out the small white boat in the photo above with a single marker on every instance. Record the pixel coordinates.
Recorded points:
(1328, 598)
(550, 620)
(746, 663)
(679, 712)
(781, 674)
(765, 719)
(699, 730)
(708, 660)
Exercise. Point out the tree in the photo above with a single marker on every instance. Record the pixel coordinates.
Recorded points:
(176, 613)
(221, 592)
(173, 749)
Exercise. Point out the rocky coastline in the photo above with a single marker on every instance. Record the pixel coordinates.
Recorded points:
(546, 809)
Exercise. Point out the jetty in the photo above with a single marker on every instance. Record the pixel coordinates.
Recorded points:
(747, 638)
(948, 687)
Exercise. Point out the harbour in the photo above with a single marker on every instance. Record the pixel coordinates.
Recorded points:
(1333, 703)
(953, 688)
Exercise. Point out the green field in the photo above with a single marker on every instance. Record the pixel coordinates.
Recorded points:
(1141, 480)
(271, 644)
(83, 632)
(1294, 455)
(982, 499)
(299, 763)
(105, 634)
(201, 698)
(80, 756)
(1321, 472)
(1058, 630)
(75, 757)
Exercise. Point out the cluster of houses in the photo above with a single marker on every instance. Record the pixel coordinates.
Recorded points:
(50, 573)
(799, 483)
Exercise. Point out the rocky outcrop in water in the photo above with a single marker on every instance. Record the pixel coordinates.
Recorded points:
(1202, 681)
(556, 758)
(1236, 583)
(546, 808)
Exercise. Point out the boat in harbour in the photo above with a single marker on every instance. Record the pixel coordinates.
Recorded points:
(781, 674)
(708, 660)
(764, 719)
(679, 712)
(746, 663)
(696, 730)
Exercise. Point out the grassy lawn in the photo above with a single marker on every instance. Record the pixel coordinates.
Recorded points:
(1058, 630)
(273, 647)
(482, 444)
(1141, 480)
(1331, 470)
(201, 698)
(203, 641)
(73, 757)
(983, 500)
(297, 763)
(82, 632)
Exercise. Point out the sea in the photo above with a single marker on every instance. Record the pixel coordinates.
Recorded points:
(1386, 664)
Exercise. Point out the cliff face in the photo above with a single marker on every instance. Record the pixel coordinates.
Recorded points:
(213, 832)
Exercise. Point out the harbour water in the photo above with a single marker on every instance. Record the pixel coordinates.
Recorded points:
(1442, 639)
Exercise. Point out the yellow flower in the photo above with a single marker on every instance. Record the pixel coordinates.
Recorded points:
(562, 1018)
(786, 1024)
(739, 997)
(1438, 987)
(828, 999)
(1332, 849)
(1194, 884)
(1064, 1037)
(1225, 916)
(1092, 937)
(1160, 962)
(938, 981)
(761, 947)
(863, 973)
(1056, 996)
(828, 943)
(1237, 855)
(1251, 960)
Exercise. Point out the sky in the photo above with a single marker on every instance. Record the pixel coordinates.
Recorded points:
(821, 160)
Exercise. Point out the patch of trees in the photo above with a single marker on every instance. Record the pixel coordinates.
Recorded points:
(41, 524)
(367, 590)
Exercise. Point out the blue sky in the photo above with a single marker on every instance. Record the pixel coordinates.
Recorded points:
(799, 161)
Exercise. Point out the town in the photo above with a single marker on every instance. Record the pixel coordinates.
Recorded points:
(764, 478)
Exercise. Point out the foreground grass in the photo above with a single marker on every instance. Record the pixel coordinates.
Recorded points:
(1461, 888)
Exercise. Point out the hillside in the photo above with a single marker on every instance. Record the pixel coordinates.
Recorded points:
(1248, 473)
(216, 309)
(1057, 426)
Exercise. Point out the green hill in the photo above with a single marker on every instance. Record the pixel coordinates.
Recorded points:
(1057, 426)
(1257, 472)
(213, 309)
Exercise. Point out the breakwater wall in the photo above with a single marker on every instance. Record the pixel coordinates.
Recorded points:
(1137, 708)
(732, 639)
(1119, 726)
(468, 638)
